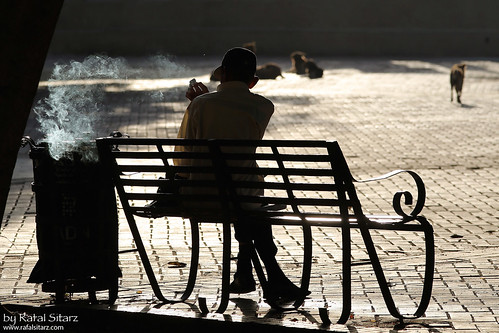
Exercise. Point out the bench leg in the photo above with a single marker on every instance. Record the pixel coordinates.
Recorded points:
(307, 262)
(224, 301)
(428, 279)
(347, 273)
(193, 269)
(149, 270)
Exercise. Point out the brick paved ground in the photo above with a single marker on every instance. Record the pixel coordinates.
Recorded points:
(386, 114)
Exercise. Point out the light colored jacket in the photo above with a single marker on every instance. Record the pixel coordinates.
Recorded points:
(232, 112)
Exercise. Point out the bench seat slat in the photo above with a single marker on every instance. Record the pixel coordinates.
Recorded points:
(163, 169)
(151, 155)
(281, 172)
(318, 187)
(240, 184)
(296, 201)
(326, 221)
(241, 171)
(188, 198)
(161, 182)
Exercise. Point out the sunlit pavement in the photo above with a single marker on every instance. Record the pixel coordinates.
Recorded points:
(386, 114)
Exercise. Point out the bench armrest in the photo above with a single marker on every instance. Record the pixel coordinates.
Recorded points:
(397, 197)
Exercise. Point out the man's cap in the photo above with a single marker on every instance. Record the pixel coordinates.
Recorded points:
(239, 60)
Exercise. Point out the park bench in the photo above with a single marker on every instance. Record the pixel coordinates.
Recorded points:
(307, 184)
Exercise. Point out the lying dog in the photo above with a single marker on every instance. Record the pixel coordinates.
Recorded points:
(269, 71)
(313, 71)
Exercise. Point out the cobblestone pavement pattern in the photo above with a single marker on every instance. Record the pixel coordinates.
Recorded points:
(386, 114)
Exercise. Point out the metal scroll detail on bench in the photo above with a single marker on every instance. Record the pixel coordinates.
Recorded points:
(397, 197)
(310, 178)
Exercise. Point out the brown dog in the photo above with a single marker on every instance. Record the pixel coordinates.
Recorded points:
(250, 46)
(298, 60)
(268, 71)
(456, 80)
(313, 71)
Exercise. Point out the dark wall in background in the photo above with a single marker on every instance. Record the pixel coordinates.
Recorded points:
(319, 27)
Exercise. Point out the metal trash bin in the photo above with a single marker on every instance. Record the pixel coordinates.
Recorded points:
(76, 225)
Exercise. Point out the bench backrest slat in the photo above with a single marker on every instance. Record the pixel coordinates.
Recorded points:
(233, 175)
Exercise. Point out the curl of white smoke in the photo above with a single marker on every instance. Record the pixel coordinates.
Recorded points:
(69, 116)
(164, 67)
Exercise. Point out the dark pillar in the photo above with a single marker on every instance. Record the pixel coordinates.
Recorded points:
(26, 29)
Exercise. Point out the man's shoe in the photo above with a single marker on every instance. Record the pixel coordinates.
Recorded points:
(279, 293)
(242, 285)
(150, 210)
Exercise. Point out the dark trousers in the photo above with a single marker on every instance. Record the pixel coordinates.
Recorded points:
(259, 235)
